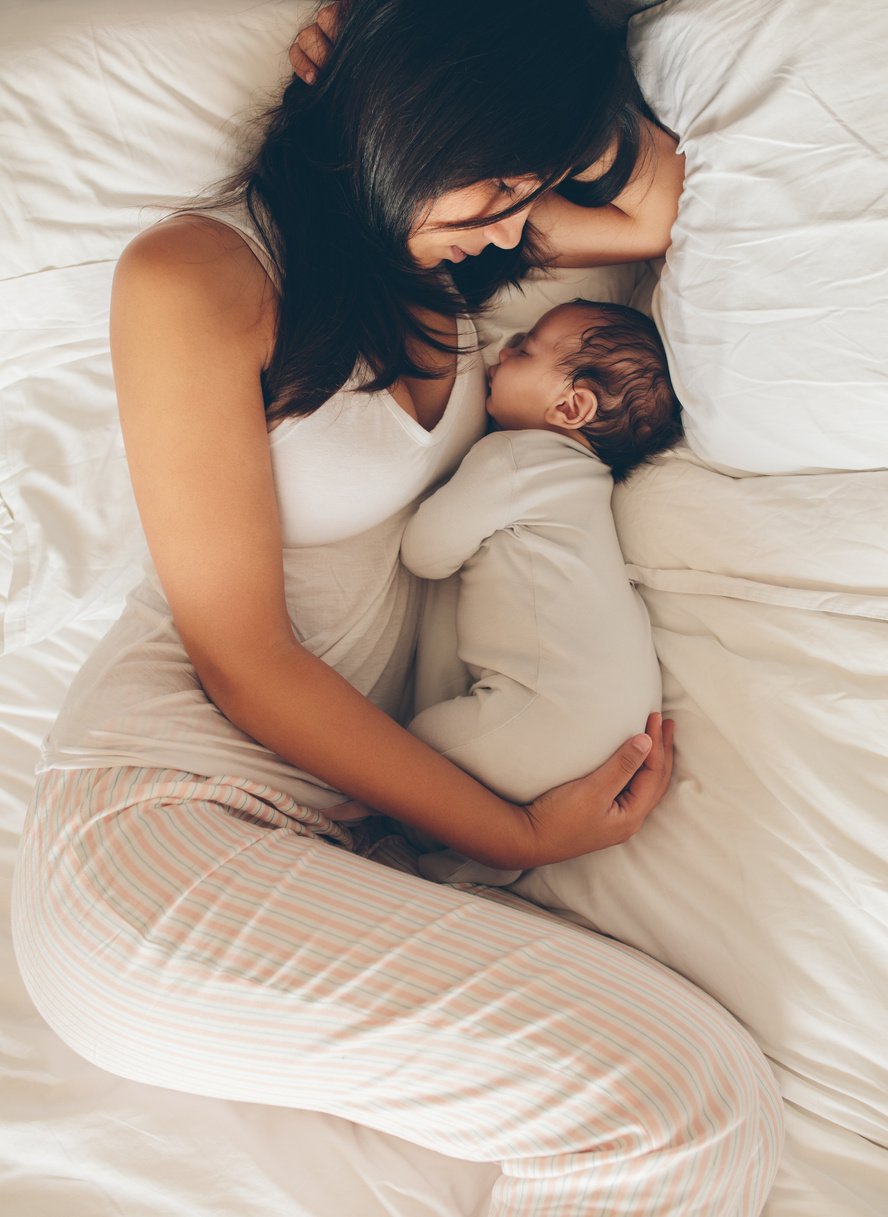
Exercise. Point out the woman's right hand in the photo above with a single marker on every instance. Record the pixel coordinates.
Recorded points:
(608, 806)
(310, 49)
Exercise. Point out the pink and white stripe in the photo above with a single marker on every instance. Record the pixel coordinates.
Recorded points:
(202, 935)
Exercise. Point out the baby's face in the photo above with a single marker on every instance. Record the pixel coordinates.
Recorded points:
(528, 378)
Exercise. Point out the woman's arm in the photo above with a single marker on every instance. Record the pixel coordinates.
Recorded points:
(192, 323)
(635, 226)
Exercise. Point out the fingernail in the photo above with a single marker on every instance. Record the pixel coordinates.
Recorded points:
(643, 743)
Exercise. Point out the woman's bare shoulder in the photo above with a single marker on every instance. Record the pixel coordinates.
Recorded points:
(192, 239)
(196, 263)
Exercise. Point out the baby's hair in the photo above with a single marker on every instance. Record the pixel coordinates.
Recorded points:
(621, 358)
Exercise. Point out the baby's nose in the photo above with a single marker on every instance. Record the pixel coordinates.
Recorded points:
(511, 348)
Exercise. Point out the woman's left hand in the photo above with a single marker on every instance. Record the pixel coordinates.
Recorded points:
(638, 223)
(606, 807)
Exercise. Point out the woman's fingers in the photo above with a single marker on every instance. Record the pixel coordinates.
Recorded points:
(328, 20)
(309, 52)
(650, 780)
(637, 777)
(606, 807)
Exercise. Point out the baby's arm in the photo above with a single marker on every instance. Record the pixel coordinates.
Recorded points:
(451, 525)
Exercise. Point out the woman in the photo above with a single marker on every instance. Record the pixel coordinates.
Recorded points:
(295, 368)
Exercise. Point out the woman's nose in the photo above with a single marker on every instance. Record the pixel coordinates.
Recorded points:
(506, 233)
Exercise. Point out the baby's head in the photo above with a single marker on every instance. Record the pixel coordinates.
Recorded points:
(596, 372)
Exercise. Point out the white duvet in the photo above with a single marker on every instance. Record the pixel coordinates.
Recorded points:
(763, 876)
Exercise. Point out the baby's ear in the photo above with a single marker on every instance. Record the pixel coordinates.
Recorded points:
(576, 407)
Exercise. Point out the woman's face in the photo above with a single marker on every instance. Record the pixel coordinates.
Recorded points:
(439, 238)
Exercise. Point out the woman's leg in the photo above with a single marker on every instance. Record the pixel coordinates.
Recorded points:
(180, 932)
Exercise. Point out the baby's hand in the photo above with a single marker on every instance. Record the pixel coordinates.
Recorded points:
(309, 52)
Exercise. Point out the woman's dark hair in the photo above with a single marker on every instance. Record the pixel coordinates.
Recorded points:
(622, 359)
(418, 98)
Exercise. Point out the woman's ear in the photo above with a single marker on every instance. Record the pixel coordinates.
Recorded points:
(576, 407)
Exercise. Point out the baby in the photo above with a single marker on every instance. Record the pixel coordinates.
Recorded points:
(556, 641)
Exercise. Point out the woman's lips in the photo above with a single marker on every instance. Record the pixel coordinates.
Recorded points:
(457, 254)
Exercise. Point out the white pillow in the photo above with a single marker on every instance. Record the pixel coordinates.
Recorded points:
(106, 106)
(774, 301)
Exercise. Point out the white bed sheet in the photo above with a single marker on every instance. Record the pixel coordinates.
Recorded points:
(764, 874)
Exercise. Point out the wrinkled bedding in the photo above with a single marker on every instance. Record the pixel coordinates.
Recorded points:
(760, 547)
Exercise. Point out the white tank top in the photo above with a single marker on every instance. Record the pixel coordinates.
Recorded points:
(347, 479)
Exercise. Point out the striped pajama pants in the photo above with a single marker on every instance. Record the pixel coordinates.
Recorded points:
(203, 935)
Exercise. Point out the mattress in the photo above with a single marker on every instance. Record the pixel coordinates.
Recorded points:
(760, 546)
